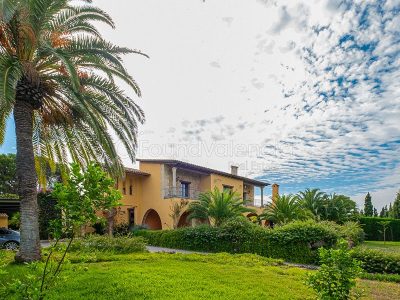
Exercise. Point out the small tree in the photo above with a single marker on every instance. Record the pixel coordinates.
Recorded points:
(368, 207)
(176, 210)
(385, 225)
(79, 199)
(336, 277)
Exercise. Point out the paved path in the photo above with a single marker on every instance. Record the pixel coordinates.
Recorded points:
(168, 250)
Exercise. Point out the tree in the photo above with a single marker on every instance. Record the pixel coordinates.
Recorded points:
(58, 77)
(217, 207)
(383, 212)
(8, 178)
(375, 212)
(312, 200)
(338, 208)
(395, 212)
(284, 209)
(368, 207)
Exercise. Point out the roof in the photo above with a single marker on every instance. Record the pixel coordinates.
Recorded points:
(136, 172)
(185, 165)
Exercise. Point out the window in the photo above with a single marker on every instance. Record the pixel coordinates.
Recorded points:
(130, 190)
(124, 190)
(245, 196)
(227, 188)
(185, 189)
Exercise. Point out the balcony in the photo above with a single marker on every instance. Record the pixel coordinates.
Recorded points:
(183, 193)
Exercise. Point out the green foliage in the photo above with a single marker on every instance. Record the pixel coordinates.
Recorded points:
(84, 195)
(373, 229)
(48, 213)
(284, 209)
(8, 178)
(121, 229)
(115, 245)
(15, 221)
(350, 231)
(374, 261)
(217, 207)
(337, 274)
(312, 200)
(381, 277)
(395, 211)
(368, 207)
(338, 208)
(295, 242)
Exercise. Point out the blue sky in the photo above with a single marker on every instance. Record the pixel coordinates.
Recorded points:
(303, 93)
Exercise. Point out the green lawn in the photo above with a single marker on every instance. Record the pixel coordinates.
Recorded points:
(392, 247)
(181, 276)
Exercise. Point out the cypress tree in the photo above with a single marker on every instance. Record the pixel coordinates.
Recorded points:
(368, 207)
(396, 207)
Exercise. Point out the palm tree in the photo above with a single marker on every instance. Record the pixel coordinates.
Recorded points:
(217, 206)
(284, 209)
(311, 199)
(338, 208)
(57, 76)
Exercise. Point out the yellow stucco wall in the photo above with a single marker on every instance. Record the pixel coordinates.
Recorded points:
(219, 181)
(3, 220)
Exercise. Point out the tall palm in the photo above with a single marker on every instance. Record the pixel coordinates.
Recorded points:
(57, 76)
(311, 199)
(217, 206)
(284, 209)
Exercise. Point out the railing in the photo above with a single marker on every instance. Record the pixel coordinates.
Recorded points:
(179, 192)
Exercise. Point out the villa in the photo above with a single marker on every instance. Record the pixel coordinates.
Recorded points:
(150, 192)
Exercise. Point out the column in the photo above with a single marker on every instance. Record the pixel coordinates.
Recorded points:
(174, 191)
(262, 195)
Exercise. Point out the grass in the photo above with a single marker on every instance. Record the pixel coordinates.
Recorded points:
(182, 276)
(391, 247)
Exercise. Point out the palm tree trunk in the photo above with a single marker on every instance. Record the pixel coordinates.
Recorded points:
(27, 183)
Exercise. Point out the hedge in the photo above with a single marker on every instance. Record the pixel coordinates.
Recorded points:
(373, 229)
(374, 261)
(296, 242)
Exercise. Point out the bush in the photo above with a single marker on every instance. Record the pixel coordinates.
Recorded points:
(122, 229)
(351, 231)
(47, 213)
(373, 230)
(374, 261)
(116, 245)
(295, 242)
(337, 274)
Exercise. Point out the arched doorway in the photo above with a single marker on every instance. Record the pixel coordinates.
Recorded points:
(152, 220)
(184, 220)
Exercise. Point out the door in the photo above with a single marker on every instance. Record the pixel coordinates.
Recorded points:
(131, 216)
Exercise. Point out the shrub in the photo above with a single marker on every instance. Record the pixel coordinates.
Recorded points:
(121, 229)
(337, 275)
(117, 245)
(47, 213)
(99, 228)
(351, 231)
(374, 261)
(373, 230)
(296, 242)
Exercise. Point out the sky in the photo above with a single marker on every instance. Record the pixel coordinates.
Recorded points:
(302, 93)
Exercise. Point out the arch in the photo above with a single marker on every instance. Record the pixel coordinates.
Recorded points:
(152, 220)
(184, 221)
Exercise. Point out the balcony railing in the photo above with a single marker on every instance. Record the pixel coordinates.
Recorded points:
(179, 192)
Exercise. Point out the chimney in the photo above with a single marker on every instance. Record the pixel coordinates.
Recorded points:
(275, 191)
(234, 170)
